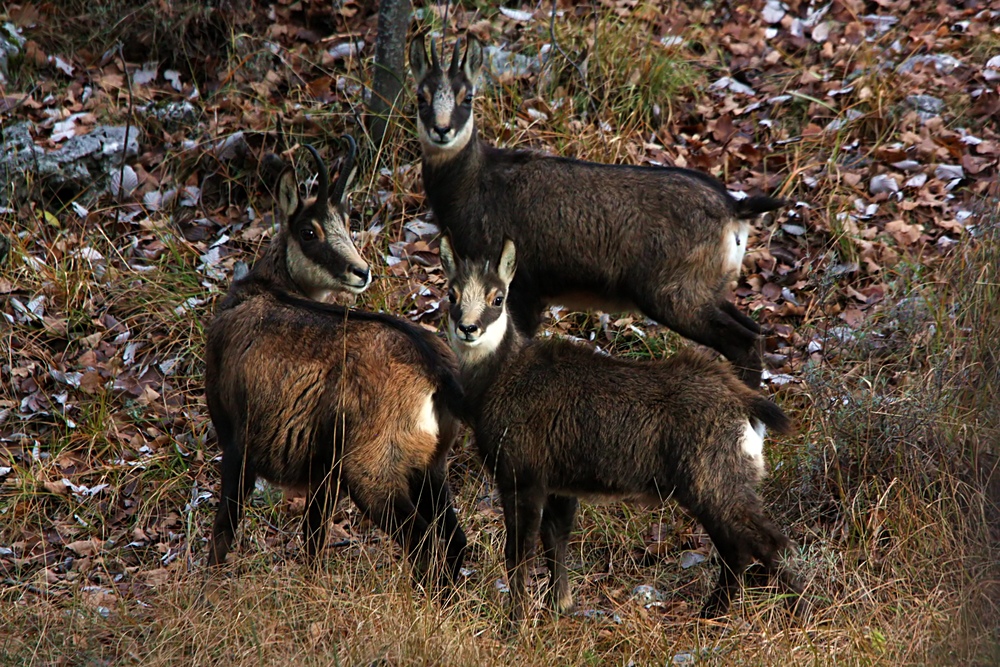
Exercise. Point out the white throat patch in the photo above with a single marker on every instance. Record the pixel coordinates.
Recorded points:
(438, 152)
(475, 351)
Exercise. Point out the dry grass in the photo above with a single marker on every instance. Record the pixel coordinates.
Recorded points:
(890, 488)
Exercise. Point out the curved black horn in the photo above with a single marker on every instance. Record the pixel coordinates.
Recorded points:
(434, 56)
(456, 59)
(346, 167)
(324, 176)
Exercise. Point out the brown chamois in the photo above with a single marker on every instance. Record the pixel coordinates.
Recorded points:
(317, 397)
(663, 240)
(555, 422)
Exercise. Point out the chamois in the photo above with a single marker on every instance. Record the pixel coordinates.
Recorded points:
(666, 241)
(317, 397)
(554, 422)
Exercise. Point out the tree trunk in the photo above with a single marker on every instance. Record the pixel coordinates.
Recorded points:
(390, 65)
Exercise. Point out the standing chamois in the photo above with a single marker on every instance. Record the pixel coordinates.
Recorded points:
(555, 422)
(320, 398)
(665, 241)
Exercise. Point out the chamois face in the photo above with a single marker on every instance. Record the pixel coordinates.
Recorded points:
(320, 253)
(444, 98)
(478, 301)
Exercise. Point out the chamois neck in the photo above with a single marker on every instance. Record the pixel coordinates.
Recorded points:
(269, 273)
(480, 369)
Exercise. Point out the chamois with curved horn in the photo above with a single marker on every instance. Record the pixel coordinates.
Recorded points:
(666, 241)
(330, 400)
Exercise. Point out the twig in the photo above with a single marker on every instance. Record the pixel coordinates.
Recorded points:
(128, 129)
(559, 48)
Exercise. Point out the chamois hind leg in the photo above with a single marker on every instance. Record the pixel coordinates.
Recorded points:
(238, 479)
(392, 510)
(557, 524)
(715, 326)
(433, 499)
(522, 515)
(524, 308)
(741, 531)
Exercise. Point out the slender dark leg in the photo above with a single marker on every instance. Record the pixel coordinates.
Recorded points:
(314, 523)
(396, 514)
(526, 311)
(522, 515)
(557, 524)
(715, 326)
(237, 481)
(730, 309)
(434, 503)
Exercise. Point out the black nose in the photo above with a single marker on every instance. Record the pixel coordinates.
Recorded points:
(442, 132)
(467, 328)
(361, 273)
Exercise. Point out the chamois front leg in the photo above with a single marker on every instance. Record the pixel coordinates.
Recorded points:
(317, 515)
(557, 524)
(522, 515)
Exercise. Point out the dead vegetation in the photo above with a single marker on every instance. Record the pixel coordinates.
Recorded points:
(878, 294)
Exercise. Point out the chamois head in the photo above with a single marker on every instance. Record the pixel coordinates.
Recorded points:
(320, 253)
(477, 294)
(444, 99)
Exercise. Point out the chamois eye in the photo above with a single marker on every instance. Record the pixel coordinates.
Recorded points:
(307, 233)
(468, 100)
(451, 297)
(497, 302)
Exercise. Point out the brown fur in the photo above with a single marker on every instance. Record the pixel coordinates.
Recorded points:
(555, 422)
(651, 237)
(329, 400)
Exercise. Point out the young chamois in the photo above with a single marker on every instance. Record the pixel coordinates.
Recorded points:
(555, 422)
(665, 241)
(320, 398)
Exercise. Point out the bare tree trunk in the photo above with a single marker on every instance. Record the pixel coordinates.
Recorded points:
(390, 65)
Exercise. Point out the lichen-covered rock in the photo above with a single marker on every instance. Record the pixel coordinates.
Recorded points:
(11, 42)
(81, 165)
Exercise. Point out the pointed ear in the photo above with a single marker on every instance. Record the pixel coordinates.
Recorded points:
(288, 194)
(348, 170)
(448, 258)
(508, 262)
(418, 58)
(472, 64)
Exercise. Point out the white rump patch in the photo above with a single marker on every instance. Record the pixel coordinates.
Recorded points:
(736, 247)
(752, 443)
(427, 420)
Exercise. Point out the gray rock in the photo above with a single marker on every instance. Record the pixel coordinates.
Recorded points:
(173, 115)
(82, 163)
(499, 61)
(927, 106)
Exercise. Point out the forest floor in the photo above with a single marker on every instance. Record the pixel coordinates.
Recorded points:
(878, 288)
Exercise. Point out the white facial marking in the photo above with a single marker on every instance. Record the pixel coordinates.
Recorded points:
(435, 150)
(427, 420)
(475, 350)
(736, 247)
(752, 443)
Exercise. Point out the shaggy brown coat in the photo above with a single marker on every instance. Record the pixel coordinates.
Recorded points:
(555, 422)
(329, 400)
(665, 241)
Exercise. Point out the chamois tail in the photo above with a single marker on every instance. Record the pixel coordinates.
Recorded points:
(751, 207)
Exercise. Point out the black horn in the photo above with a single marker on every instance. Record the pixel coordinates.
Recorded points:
(435, 63)
(346, 167)
(324, 177)
(456, 59)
